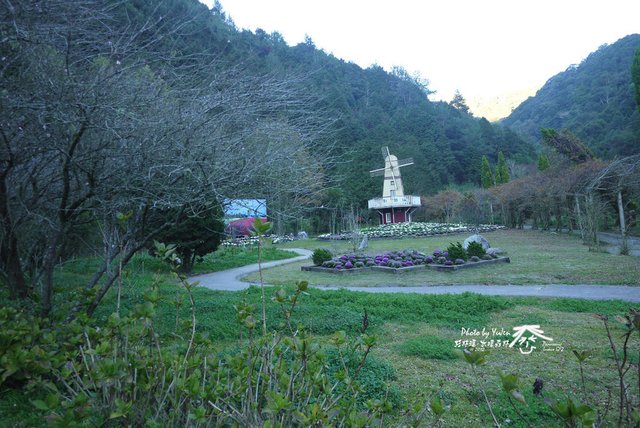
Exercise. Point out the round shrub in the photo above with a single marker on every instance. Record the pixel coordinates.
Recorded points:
(448, 263)
(459, 262)
(475, 249)
(321, 255)
(486, 257)
(474, 259)
(442, 259)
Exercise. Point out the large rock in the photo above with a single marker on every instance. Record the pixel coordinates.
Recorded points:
(476, 238)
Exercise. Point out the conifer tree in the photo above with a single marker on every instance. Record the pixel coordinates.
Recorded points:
(502, 172)
(543, 162)
(486, 177)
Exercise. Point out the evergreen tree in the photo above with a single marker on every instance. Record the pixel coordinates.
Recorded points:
(567, 144)
(486, 177)
(193, 234)
(502, 172)
(543, 162)
(459, 103)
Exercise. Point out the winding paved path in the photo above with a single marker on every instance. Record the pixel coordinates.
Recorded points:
(229, 280)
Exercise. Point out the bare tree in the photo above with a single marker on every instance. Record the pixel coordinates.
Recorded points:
(102, 123)
(620, 180)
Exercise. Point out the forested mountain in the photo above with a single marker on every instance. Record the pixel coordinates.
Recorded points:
(594, 100)
(372, 108)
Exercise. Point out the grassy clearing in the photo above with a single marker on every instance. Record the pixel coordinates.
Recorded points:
(536, 258)
(416, 353)
(416, 341)
(423, 374)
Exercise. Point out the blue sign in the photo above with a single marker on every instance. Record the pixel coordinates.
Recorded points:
(245, 208)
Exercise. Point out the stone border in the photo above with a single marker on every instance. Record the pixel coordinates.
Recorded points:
(435, 266)
(386, 269)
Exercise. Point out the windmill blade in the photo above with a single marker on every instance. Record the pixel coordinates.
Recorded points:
(385, 152)
(377, 172)
(405, 162)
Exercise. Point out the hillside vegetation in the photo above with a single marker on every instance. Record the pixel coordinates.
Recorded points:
(594, 100)
(372, 108)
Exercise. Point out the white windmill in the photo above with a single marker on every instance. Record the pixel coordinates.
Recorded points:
(394, 206)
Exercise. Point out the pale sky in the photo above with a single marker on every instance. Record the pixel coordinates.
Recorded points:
(486, 49)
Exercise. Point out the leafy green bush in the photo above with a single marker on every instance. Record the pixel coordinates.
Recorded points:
(456, 251)
(29, 350)
(372, 377)
(321, 255)
(475, 249)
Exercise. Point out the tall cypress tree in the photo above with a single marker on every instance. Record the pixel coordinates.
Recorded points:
(502, 172)
(486, 177)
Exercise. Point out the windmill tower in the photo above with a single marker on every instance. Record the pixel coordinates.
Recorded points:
(394, 206)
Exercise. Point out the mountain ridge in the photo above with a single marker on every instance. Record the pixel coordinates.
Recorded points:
(593, 99)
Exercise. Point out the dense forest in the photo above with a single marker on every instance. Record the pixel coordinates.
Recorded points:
(594, 100)
(372, 108)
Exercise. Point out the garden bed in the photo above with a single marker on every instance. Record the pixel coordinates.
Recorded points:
(407, 230)
(405, 269)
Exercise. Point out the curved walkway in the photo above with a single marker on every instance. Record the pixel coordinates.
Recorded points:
(229, 280)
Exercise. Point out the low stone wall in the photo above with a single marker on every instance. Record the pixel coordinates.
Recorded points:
(432, 266)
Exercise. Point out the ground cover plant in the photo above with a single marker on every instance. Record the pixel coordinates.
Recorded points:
(536, 258)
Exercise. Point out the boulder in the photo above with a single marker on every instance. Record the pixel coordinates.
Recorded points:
(476, 238)
(496, 251)
(303, 235)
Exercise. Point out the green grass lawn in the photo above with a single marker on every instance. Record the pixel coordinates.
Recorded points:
(536, 258)
(416, 333)
(416, 342)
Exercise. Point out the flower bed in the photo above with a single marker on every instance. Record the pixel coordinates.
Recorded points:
(400, 261)
(240, 242)
(393, 259)
(402, 230)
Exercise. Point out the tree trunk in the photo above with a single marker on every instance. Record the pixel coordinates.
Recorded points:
(624, 245)
(491, 211)
(579, 217)
(9, 250)
(111, 278)
(49, 266)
